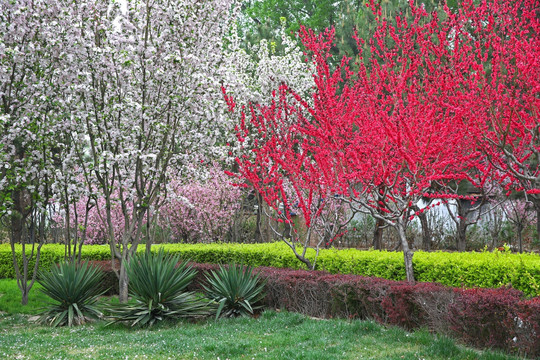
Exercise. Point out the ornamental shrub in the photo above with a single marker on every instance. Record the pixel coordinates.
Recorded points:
(485, 317)
(235, 289)
(486, 269)
(74, 290)
(158, 287)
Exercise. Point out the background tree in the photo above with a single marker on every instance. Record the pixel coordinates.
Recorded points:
(261, 18)
(519, 213)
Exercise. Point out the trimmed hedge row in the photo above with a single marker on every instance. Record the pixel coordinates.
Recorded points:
(486, 269)
(50, 254)
(486, 318)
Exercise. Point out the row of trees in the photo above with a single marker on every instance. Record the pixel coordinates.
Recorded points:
(439, 100)
(103, 102)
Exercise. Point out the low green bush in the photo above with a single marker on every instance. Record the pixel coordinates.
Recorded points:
(158, 287)
(236, 290)
(470, 269)
(74, 290)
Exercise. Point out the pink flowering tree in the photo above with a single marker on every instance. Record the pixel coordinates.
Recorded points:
(83, 222)
(201, 209)
(520, 213)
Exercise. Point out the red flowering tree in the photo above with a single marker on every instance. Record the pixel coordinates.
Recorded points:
(507, 34)
(404, 122)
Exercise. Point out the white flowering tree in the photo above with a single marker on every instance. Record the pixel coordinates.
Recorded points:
(142, 87)
(146, 94)
(30, 126)
(106, 101)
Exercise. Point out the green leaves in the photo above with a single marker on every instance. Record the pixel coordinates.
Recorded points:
(158, 288)
(74, 290)
(235, 289)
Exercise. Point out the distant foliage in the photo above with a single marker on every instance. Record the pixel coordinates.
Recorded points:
(198, 209)
(201, 210)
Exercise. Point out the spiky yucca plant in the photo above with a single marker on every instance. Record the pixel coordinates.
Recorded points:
(74, 289)
(236, 290)
(158, 288)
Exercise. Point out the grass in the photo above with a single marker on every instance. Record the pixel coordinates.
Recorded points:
(10, 298)
(271, 336)
(274, 335)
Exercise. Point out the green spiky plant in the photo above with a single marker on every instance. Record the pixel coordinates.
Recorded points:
(74, 289)
(157, 287)
(236, 290)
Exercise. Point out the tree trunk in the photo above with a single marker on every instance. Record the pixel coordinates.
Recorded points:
(24, 299)
(520, 237)
(378, 234)
(461, 238)
(258, 223)
(426, 231)
(407, 252)
(123, 283)
(537, 207)
(149, 237)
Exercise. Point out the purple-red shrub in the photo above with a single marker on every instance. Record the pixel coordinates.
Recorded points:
(302, 291)
(485, 317)
(528, 326)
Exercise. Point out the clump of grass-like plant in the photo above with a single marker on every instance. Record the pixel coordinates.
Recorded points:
(74, 289)
(236, 290)
(157, 287)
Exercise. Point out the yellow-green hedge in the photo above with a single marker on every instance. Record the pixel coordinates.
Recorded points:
(486, 269)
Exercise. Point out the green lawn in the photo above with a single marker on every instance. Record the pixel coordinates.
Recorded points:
(10, 298)
(274, 335)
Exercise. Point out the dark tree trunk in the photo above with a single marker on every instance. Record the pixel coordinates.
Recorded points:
(537, 207)
(22, 209)
(520, 237)
(378, 234)
(123, 283)
(258, 224)
(461, 238)
(426, 230)
(462, 224)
